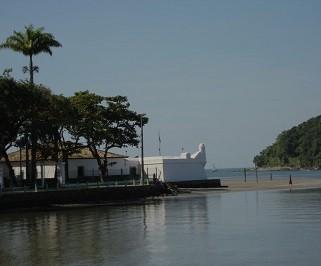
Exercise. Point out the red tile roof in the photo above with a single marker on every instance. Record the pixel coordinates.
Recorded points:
(83, 154)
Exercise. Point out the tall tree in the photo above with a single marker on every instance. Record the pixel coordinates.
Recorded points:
(31, 42)
(42, 120)
(54, 138)
(13, 114)
(104, 123)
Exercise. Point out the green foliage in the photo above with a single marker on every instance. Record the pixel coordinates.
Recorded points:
(53, 127)
(31, 110)
(30, 113)
(14, 110)
(30, 42)
(298, 147)
(104, 123)
(6, 73)
(13, 115)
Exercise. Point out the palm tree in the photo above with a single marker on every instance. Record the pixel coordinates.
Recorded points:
(31, 42)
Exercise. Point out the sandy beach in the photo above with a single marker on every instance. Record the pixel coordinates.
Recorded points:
(297, 183)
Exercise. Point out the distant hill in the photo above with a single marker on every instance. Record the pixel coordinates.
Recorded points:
(298, 147)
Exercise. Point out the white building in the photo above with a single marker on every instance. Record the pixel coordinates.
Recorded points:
(80, 165)
(185, 167)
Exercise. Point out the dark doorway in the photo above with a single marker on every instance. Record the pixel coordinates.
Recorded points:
(81, 171)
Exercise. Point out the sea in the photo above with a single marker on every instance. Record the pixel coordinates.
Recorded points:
(238, 174)
(199, 228)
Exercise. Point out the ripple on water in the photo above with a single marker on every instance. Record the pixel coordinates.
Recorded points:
(239, 228)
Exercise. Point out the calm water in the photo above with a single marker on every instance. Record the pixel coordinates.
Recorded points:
(238, 174)
(212, 228)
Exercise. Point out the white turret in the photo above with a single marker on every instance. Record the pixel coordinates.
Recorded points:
(185, 167)
(200, 154)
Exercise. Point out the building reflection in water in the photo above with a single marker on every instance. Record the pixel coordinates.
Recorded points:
(114, 235)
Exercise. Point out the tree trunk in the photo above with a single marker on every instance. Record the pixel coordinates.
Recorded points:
(102, 174)
(12, 176)
(33, 141)
(65, 160)
(31, 69)
(27, 161)
(33, 153)
(66, 169)
(106, 167)
(102, 169)
(56, 157)
(33, 135)
(56, 170)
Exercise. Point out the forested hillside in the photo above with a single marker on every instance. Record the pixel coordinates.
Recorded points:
(298, 147)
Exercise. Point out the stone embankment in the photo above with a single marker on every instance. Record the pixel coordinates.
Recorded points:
(43, 199)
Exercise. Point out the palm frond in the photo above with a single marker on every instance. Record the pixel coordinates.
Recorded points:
(31, 42)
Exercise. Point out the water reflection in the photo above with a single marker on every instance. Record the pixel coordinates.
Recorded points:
(75, 236)
(239, 228)
(97, 235)
(297, 206)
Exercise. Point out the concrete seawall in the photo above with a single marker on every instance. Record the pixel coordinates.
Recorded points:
(205, 183)
(11, 200)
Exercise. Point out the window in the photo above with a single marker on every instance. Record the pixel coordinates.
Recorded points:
(132, 171)
(81, 171)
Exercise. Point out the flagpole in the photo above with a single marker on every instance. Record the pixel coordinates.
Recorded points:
(159, 144)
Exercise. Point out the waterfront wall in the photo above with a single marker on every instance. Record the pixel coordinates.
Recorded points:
(209, 183)
(11, 200)
(184, 167)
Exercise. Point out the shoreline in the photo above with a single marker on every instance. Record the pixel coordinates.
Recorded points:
(78, 196)
(252, 185)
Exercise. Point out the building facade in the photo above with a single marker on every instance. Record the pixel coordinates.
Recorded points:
(185, 167)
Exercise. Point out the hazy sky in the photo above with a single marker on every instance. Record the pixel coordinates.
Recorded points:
(230, 74)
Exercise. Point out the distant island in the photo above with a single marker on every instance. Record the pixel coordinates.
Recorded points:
(298, 147)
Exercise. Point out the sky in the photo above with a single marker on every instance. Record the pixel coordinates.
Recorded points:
(229, 74)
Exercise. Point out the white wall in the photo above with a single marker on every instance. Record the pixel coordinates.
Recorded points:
(174, 169)
(154, 166)
(183, 170)
(184, 167)
(180, 168)
(120, 166)
(48, 169)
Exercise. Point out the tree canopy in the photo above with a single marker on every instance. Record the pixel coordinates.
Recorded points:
(58, 123)
(30, 42)
(31, 115)
(298, 147)
(104, 123)
(24, 108)
(12, 116)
